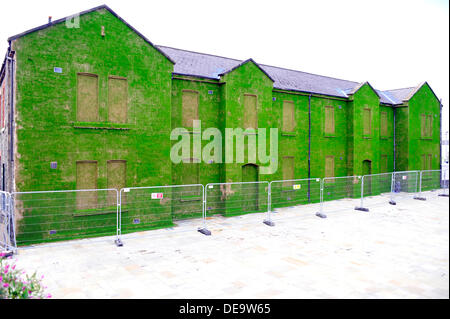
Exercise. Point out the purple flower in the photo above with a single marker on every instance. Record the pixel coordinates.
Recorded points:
(5, 285)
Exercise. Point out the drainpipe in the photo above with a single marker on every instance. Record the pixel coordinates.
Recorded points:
(440, 140)
(11, 115)
(440, 134)
(395, 109)
(309, 148)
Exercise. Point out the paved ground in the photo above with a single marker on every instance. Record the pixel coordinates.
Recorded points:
(397, 251)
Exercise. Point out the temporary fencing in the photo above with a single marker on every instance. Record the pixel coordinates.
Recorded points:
(27, 218)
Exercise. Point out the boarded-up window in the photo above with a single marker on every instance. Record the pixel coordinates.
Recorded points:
(288, 116)
(117, 100)
(429, 161)
(367, 122)
(189, 108)
(423, 125)
(429, 126)
(384, 124)
(426, 125)
(329, 166)
(250, 112)
(117, 177)
(426, 161)
(329, 120)
(87, 98)
(288, 169)
(383, 164)
(423, 162)
(87, 179)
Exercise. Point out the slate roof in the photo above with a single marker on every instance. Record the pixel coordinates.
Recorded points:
(403, 94)
(212, 66)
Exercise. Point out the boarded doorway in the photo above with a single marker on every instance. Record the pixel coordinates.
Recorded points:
(250, 192)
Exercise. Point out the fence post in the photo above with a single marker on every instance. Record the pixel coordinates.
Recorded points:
(12, 226)
(361, 207)
(268, 221)
(118, 241)
(419, 197)
(203, 230)
(445, 184)
(320, 213)
(392, 201)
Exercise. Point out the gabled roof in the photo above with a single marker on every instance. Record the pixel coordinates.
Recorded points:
(406, 94)
(211, 66)
(359, 86)
(204, 65)
(52, 23)
(245, 62)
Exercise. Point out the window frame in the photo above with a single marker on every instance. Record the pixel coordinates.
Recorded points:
(183, 121)
(292, 124)
(364, 132)
(77, 97)
(244, 119)
(120, 78)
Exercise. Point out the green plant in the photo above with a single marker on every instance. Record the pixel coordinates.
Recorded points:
(16, 284)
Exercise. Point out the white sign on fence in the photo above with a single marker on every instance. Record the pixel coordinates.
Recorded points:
(297, 186)
(157, 195)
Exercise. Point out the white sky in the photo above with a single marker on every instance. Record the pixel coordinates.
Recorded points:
(390, 43)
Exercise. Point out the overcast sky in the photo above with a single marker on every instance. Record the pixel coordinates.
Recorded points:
(391, 44)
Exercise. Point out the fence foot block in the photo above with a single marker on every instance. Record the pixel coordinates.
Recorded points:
(420, 198)
(443, 195)
(6, 254)
(118, 242)
(392, 202)
(269, 223)
(321, 215)
(204, 231)
(363, 209)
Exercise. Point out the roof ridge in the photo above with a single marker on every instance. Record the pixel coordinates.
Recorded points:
(324, 76)
(410, 87)
(271, 66)
(214, 55)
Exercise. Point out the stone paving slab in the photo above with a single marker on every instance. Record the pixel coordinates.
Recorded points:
(397, 251)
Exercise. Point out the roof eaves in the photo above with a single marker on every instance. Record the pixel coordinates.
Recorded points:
(104, 6)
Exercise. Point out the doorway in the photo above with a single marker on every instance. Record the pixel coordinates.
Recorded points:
(250, 192)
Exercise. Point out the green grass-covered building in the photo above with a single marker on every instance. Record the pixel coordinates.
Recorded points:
(88, 102)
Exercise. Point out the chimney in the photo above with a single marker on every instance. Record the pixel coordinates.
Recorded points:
(49, 19)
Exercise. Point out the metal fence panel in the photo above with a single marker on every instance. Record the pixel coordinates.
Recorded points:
(429, 180)
(231, 199)
(7, 235)
(153, 207)
(405, 185)
(288, 193)
(49, 216)
(375, 190)
(343, 190)
(444, 182)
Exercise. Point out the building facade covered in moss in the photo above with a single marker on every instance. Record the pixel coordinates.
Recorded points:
(88, 102)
